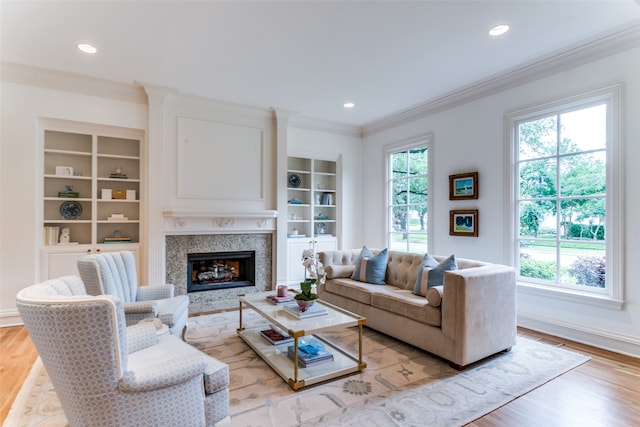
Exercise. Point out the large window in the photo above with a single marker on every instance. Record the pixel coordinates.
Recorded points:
(408, 195)
(566, 210)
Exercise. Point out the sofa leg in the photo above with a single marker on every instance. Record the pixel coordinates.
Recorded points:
(457, 367)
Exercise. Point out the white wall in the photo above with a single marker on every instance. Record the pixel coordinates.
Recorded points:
(470, 137)
(20, 235)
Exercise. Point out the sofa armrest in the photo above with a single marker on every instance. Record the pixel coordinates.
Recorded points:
(153, 376)
(336, 271)
(147, 293)
(479, 310)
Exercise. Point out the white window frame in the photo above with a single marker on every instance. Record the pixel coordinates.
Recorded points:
(613, 295)
(419, 141)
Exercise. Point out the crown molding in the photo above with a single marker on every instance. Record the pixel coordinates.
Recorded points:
(70, 82)
(560, 60)
(309, 123)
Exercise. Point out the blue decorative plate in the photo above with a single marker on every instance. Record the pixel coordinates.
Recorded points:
(71, 210)
(294, 181)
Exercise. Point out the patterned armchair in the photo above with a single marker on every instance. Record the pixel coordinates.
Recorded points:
(114, 273)
(107, 374)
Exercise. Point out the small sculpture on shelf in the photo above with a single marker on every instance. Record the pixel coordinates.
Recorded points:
(118, 173)
(65, 236)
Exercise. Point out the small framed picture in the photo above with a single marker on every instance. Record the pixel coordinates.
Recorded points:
(463, 223)
(463, 186)
(64, 170)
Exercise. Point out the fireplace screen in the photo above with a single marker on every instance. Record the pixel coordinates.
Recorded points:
(220, 270)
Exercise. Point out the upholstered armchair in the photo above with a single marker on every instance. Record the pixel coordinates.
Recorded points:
(114, 273)
(107, 374)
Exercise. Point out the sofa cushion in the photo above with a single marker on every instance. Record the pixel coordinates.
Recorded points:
(404, 303)
(430, 275)
(355, 290)
(370, 268)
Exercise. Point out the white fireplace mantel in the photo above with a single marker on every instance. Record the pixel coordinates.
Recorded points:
(188, 220)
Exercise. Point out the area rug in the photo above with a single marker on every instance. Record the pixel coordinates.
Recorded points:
(401, 386)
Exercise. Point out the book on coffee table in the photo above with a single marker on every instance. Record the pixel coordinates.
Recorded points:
(313, 311)
(275, 337)
(275, 299)
(306, 360)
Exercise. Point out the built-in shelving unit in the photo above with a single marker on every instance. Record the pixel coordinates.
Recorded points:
(91, 187)
(312, 209)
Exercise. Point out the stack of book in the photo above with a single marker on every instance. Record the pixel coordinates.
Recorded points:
(51, 235)
(276, 336)
(118, 175)
(117, 217)
(306, 360)
(117, 240)
(275, 299)
(313, 311)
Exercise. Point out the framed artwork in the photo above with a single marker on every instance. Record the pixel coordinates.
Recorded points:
(463, 186)
(463, 223)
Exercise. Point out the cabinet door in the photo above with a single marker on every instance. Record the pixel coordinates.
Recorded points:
(57, 263)
(326, 245)
(295, 269)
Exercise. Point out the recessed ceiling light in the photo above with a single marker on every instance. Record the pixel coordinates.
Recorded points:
(87, 48)
(499, 30)
(349, 105)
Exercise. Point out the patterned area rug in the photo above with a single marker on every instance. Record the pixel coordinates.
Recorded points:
(401, 386)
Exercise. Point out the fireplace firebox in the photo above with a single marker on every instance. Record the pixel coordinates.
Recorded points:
(220, 270)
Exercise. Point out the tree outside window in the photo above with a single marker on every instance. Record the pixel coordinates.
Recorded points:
(408, 199)
(562, 198)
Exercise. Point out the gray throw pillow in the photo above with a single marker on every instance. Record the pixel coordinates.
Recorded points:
(370, 268)
(431, 273)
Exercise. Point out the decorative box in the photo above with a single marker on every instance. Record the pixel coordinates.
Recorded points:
(119, 194)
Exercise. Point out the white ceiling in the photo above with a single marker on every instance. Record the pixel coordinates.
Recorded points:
(304, 56)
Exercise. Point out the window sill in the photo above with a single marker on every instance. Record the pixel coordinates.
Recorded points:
(571, 296)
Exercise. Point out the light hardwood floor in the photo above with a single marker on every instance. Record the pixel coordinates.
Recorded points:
(604, 392)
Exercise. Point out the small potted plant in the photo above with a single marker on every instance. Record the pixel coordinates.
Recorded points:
(307, 297)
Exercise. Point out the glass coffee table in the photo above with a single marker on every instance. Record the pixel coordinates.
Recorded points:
(276, 356)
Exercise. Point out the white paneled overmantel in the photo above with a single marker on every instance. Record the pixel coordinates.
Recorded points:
(182, 221)
(211, 166)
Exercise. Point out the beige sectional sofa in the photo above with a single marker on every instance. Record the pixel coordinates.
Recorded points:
(471, 316)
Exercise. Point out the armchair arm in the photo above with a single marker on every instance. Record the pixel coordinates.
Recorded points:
(141, 307)
(154, 376)
(146, 293)
(141, 336)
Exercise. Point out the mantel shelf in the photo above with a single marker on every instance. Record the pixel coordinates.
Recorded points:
(187, 213)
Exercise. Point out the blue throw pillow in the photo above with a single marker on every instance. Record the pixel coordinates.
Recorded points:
(431, 274)
(369, 268)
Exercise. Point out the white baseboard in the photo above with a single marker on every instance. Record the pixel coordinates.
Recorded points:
(618, 343)
(10, 318)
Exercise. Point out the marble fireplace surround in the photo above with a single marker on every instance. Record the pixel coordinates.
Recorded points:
(198, 233)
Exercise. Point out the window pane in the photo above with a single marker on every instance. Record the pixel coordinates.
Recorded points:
(583, 174)
(398, 242)
(418, 161)
(538, 179)
(418, 190)
(537, 138)
(399, 164)
(400, 192)
(418, 243)
(400, 218)
(584, 129)
(537, 218)
(538, 260)
(583, 219)
(583, 264)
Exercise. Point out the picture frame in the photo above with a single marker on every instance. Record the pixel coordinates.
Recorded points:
(463, 222)
(463, 186)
